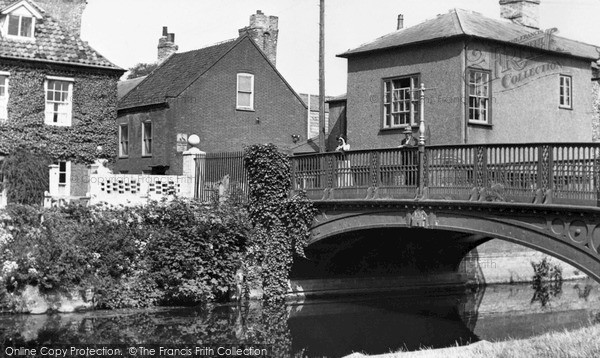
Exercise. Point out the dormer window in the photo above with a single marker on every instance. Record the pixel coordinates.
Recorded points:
(19, 20)
(20, 26)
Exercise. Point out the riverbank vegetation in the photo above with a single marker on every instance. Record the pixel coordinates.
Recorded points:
(582, 343)
(177, 252)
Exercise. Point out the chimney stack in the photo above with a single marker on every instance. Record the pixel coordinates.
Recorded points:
(522, 12)
(166, 45)
(400, 22)
(263, 30)
(67, 12)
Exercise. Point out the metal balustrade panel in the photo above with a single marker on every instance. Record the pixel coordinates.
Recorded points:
(450, 172)
(538, 172)
(575, 173)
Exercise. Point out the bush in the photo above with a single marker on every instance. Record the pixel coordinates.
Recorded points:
(195, 255)
(547, 281)
(180, 252)
(281, 224)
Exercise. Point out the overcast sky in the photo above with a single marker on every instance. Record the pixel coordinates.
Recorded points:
(127, 31)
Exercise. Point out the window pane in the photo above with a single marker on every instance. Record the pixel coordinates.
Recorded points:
(13, 25)
(26, 23)
(244, 99)
(244, 83)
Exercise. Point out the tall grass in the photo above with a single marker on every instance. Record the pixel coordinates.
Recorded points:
(580, 343)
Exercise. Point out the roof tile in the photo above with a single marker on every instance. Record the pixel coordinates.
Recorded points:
(52, 42)
(175, 74)
(460, 22)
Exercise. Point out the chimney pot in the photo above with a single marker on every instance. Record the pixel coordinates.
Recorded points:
(400, 21)
(166, 45)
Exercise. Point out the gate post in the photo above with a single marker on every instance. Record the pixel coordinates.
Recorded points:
(193, 169)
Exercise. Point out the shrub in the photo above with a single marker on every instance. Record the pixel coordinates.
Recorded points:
(547, 281)
(195, 255)
(162, 253)
(281, 224)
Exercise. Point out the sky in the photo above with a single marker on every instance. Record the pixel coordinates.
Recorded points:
(127, 31)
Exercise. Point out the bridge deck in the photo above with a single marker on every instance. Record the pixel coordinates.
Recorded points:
(541, 173)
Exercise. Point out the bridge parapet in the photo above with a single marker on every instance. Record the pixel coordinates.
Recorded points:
(540, 173)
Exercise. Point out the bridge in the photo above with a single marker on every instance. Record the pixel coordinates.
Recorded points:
(544, 196)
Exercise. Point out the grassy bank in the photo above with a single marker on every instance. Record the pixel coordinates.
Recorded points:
(584, 342)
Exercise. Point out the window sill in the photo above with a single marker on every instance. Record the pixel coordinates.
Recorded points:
(146, 155)
(20, 38)
(58, 124)
(480, 124)
(123, 156)
(565, 107)
(396, 129)
(243, 109)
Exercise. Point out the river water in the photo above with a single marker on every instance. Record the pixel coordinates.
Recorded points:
(334, 327)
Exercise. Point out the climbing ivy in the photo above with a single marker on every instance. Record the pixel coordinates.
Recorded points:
(281, 224)
(94, 107)
(26, 176)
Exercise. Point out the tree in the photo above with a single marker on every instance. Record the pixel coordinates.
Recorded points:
(141, 69)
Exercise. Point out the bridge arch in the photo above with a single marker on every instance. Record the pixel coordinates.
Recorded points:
(571, 234)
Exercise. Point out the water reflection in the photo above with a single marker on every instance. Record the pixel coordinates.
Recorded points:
(333, 327)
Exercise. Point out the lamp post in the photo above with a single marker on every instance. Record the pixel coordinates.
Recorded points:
(421, 193)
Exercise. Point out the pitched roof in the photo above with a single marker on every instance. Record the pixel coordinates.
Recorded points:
(180, 70)
(52, 43)
(458, 22)
(175, 74)
(124, 87)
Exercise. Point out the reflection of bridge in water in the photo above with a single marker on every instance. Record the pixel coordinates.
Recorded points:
(543, 196)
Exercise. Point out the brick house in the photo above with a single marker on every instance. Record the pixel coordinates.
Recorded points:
(229, 94)
(58, 96)
(492, 81)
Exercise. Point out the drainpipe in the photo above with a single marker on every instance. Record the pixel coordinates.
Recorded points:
(465, 107)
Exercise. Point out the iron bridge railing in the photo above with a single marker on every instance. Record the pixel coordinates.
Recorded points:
(559, 173)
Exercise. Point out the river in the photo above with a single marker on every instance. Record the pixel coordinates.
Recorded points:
(331, 327)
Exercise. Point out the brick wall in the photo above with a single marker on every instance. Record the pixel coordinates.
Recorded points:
(135, 163)
(208, 109)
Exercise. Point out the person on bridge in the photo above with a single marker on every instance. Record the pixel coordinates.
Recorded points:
(409, 158)
(344, 172)
(342, 145)
(409, 141)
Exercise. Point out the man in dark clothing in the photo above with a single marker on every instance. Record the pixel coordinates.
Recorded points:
(409, 157)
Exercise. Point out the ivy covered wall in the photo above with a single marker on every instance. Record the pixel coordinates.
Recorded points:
(93, 117)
